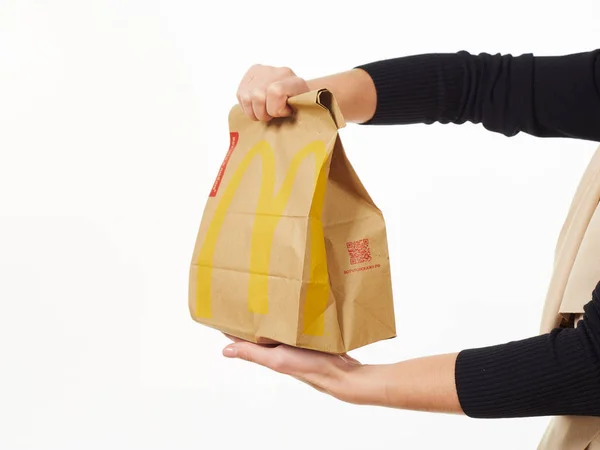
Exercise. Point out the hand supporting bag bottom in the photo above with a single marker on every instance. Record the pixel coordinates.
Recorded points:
(291, 248)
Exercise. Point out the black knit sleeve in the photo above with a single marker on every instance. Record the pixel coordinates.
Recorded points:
(545, 96)
(557, 373)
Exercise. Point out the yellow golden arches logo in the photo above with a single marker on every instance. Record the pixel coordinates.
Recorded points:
(268, 212)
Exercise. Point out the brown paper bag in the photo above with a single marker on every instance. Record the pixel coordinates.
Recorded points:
(291, 248)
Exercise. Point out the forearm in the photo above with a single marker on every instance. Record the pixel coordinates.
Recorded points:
(542, 96)
(421, 384)
(546, 375)
(553, 374)
(354, 92)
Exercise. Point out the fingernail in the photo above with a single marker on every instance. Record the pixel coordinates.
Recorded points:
(230, 351)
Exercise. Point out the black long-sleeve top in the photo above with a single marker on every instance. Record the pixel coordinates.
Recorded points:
(556, 373)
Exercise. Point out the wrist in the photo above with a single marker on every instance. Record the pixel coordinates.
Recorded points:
(368, 385)
(421, 384)
(354, 91)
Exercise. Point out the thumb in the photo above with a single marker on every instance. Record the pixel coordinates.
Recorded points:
(248, 352)
(279, 92)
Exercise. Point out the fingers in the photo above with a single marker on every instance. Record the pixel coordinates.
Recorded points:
(265, 356)
(259, 104)
(264, 91)
(237, 339)
(331, 374)
(245, 101)
(232, 338)
(350, 360)
(278, 94)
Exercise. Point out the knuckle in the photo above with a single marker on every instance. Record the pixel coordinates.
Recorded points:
(258, 95)
(245, 98)
(275, 90)
(278, 364)
(286, 71)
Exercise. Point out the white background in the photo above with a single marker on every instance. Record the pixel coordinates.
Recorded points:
(112, 127)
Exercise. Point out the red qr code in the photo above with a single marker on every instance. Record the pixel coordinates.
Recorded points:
(359, 251)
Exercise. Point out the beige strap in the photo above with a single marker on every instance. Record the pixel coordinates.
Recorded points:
(576, 273)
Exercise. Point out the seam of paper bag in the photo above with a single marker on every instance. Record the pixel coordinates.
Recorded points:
(341, 222)
(248, 272)
(338, 312)
(301, 305)
(243, 213)
(301, 326)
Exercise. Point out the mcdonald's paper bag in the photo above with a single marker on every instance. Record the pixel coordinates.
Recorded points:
(291, 248)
